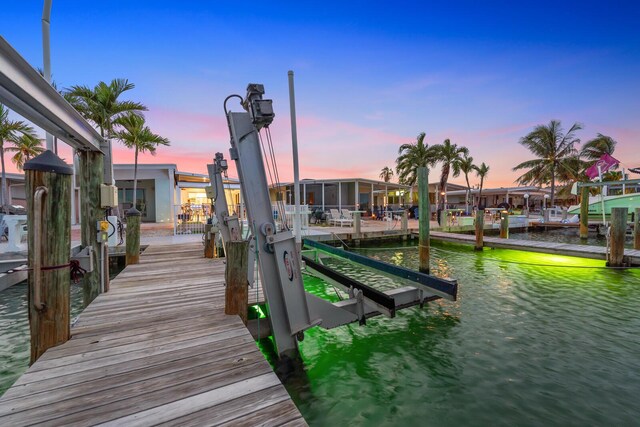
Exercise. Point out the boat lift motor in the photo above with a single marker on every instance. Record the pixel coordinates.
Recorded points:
(291, 309)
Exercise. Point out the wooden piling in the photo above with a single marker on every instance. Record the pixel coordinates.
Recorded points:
(504, 225)
(584, 213)
(48, 191)
(479, 230)
(636, 229)
(133, 236)
(424, 217)
(236, 293)
(357, 224)
(91, 177)
(404, 221)
(618, 231)
(209, 241)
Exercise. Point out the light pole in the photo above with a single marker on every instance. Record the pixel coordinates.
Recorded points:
(546, 196)
(526, 199)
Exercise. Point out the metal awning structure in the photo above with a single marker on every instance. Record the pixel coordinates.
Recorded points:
(26, 92)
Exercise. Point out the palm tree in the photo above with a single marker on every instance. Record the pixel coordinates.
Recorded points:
(101, 106)
(554, 151)
(386, 173)
(26, 147)
(134, 133)
(411, 156)
(593, 149)
(10, 131)
(466, 167)
(450, 155)
(481, 172)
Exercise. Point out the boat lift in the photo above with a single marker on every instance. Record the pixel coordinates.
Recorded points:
(291, 309)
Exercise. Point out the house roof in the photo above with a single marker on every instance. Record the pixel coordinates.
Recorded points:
(502, 190)
(343, 180)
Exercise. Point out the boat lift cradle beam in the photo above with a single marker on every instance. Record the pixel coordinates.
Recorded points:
(26, 92)
(445, 288)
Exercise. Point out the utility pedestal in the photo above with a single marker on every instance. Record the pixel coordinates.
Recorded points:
(48, 191)
(133, 236)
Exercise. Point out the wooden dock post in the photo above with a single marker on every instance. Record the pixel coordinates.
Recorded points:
(48, 191)
(91, 177)
(584, 213)
(209, 241)
(357, 217)
(404, 221)
(424, 217)
(618, 231)
(504, 225)
(636, 228)
(236, 293)
(479, 230)
(133, 236)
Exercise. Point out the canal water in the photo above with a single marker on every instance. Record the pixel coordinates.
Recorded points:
(533, 339)
(14, 331)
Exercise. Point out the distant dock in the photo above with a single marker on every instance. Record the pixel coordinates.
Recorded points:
(632, 256)
(157, 348)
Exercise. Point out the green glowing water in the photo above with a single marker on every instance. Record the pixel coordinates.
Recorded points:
(524, 344)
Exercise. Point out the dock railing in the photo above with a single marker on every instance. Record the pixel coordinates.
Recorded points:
(190, 219)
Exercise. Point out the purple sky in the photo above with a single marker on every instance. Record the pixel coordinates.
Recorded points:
(368, 77)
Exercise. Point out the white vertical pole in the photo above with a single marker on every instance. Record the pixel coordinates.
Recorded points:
(46, 56)
(323, 196)
(371, 200)
(304, 194)
(340, 196)
(386, 196)
(602, 193)
(357, 199)
(296, 172)
(73, 187)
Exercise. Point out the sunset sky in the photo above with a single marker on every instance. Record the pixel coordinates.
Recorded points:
(369, 75)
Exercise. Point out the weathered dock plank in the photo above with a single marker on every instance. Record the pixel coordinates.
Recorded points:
(156, 349)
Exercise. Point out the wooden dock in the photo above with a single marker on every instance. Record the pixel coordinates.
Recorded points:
(594, 252)
(156, 349)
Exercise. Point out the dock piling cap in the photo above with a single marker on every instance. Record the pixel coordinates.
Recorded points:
(48, 162)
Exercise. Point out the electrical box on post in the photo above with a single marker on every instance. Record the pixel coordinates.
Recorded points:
(209, 190)
(102, 228)
(108, 196)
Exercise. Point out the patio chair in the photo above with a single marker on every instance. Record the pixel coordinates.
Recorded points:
(335, 218)
(347, 215)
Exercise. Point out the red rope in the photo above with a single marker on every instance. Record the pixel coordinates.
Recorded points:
(77, 272)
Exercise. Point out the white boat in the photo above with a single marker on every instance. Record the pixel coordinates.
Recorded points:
(630, 201)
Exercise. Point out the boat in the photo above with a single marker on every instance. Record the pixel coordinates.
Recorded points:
(630, 201)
